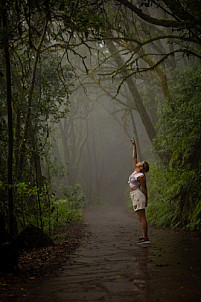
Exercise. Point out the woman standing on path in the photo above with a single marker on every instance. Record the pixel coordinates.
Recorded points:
(139, 198)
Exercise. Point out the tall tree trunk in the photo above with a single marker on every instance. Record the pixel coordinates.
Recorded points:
(29, 105)
(12, 225)
(66, 154)
(39, 184)
(162, 78)
(134, 92)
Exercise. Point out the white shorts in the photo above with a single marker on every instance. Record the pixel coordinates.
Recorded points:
(138, 199)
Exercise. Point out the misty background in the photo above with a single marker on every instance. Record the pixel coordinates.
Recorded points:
(92, 144)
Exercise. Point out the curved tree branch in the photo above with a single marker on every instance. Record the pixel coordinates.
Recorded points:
(139, 13)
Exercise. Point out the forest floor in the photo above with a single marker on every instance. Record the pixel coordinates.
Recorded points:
(107, 265)
(40, 263)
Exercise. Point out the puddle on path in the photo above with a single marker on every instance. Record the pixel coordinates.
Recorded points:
(110, 267)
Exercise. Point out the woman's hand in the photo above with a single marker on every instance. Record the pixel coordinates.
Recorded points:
(132, 141)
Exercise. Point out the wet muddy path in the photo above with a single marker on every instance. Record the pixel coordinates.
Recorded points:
(109, 266)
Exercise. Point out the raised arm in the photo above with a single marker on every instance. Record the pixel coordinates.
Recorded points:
(134, 152)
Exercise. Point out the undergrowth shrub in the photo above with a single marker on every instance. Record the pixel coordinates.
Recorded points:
(175, 192)
(63, 213)
(36, 206)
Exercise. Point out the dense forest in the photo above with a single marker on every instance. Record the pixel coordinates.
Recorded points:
(78, 78)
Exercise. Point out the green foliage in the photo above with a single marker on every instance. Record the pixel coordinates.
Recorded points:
(42, 78)
(162, 210)
(51, 94)
(34, 205)
(3, 198)
(82, 17)
(175, 189)
(31, 204)
(74, 196)
(64, 212)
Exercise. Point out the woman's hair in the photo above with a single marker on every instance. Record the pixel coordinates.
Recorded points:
(146, 166)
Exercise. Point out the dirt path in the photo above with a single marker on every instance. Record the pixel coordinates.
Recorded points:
(109, 266)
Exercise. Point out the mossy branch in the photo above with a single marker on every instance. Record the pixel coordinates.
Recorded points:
(147, 18)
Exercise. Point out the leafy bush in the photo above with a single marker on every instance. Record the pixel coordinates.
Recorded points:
(175, 187)
(36, 206)
(63, 212)
(73, 195)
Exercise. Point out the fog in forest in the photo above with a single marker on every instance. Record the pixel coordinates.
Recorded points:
(92, 145)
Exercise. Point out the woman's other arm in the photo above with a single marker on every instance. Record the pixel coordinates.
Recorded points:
(142, 180)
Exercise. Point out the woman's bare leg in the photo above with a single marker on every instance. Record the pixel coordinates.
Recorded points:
(143, 222)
